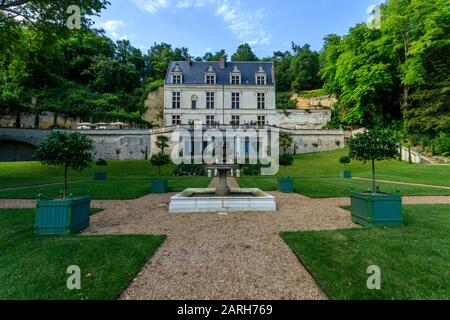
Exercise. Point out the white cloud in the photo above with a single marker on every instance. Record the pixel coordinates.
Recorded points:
(112, 25)
(152, 6)
(246, 25)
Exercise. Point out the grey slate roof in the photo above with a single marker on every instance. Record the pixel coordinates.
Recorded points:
(198, 69)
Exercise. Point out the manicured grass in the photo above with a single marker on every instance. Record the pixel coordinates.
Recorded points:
(34, 267)
(326, 164)
(114, 188)
(126, 180)
(414, 259)
(336, 187)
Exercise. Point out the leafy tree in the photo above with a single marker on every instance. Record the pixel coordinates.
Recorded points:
(67, 150)
(244, 53)
(160, 55)
(305, 67)
(215, 56)
(48, 12)
(373, 145)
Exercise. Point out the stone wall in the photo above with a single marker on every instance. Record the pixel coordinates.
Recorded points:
(119, 144)
(46, 121)
(301, 119)
(314, 102)
(308, 141)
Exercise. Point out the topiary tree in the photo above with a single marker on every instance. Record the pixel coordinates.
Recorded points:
(344, 160)
(66, 150)
(159, 160)
(285, 141)
(373, 145)
(286, 160)
(162, 142)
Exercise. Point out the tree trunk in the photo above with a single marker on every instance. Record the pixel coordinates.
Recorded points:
(65, 182)
(373, 176)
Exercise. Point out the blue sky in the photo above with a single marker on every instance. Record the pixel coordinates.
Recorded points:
(210, 25)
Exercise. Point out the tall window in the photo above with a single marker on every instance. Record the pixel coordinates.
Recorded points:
(235, 100)
(261, 100)
(209, 120)
(210, 100)
(260, 80)
(235, 80)
(236, 120)
(194, 104)
(176, 120)
(176, 100)
(210, 79)
(261, 120)
(176, 79)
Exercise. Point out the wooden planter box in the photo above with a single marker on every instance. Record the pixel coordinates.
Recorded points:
(160, 185)
(346, 174)
(62, 217)
(382, 209)
(100, 176)
(286, 185)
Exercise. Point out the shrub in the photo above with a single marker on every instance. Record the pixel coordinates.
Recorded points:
(442, 144)
(286, 160)
(101, 162)
(189, 170)
(159, 160)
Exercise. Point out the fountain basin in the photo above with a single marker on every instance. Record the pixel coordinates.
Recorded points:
(205, 200)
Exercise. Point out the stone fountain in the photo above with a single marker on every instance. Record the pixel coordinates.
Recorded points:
(222, 198)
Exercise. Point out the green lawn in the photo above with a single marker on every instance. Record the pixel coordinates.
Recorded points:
(34, 267)
(326, 164)
(336, 187)
(126, 180)
(414, 259)
(316, 175)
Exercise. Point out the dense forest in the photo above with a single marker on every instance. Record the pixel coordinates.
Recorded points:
(394, 74)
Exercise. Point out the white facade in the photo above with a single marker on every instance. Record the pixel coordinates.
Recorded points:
(221, 102)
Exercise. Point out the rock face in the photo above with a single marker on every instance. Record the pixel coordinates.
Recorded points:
(314, 102)
(154, 107)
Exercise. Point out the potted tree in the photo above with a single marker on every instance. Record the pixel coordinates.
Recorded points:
(374, 207)
(70, 214)
(286, 184)
(160, 159)
(345, 160)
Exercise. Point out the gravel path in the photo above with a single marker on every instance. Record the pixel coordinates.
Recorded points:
(405, 183)
(210, 256)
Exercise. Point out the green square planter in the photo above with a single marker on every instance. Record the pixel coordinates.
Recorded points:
(101, 176)
(346, 174)
(286, 185)
(160, 186)
(62, 217)
(382, 209)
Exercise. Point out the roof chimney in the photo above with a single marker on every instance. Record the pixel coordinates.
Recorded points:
(190, 61)
(222, 62)
(273, 73)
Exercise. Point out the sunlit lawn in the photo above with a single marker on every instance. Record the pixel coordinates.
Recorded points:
(414, 260)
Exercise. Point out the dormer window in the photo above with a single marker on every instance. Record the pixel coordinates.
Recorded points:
(210, 76)
(235, 76)
(176, 79)
(260, 77)
(177, 75)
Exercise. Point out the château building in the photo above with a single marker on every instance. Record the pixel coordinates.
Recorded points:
(225, 93)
